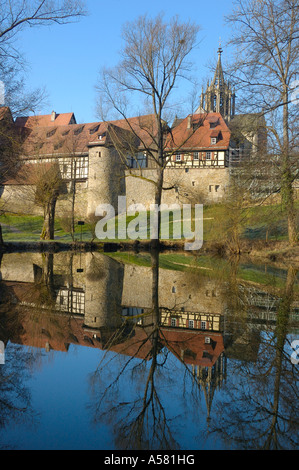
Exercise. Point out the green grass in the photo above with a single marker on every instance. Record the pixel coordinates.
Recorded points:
(27, 228)
(260, 223)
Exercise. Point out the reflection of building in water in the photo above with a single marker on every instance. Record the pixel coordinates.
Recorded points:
(108, 305)
(203, 352)
(191, 320)
(71, 300)
(103, 292)
(91, 299)
(179, 293)
(92, 305)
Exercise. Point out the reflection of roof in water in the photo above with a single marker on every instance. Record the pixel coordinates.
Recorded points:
(192, 346)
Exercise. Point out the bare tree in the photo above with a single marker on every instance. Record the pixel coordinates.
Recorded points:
(18, 14)
(14, 17)
(154, 58)
(266, 41)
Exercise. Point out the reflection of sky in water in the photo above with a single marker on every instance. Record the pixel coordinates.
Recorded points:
(64, 405)
(61, 398)
(70, 409)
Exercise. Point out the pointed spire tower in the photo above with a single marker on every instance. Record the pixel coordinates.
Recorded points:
(219, 97)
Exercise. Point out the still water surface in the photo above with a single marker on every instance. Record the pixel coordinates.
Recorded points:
(114, 352)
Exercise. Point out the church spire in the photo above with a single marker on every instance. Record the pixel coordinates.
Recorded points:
(219, 97)
(219, 76)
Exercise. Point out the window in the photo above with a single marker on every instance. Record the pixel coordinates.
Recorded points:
(195, 156)
(203, 325)
(58, 146)
(178, 157)
(173, 322)
(79, 130)
(191, 323)
(51, 133)
(82, 167)
(208, 155)
(93, 130)
(138, 161)
(71, 300)
(213, 140)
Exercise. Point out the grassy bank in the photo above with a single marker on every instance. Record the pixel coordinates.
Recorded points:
(261, 229)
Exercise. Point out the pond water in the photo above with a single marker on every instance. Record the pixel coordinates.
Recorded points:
(122, 351)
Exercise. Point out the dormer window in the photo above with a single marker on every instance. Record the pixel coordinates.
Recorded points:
(93, 130)
(215, 135)
(58, 145)
(79, 130)
(51, 133)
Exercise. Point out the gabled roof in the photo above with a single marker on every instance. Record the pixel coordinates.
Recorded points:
(46, 120)
(191, 346)
(77, 138)
(195, 132)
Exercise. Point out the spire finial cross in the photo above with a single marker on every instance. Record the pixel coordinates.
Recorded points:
(220, 50)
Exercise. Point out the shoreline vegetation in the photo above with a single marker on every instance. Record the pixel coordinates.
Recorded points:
(262, 237)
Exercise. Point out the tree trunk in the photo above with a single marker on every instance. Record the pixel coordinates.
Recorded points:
(157, 201)
(49, 220)
(287, 192)
(1, 238)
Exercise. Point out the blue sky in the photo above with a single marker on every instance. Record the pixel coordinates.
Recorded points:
(66, 59)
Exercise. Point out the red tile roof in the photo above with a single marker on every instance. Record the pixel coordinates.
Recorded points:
(198, 135)
(191, 346)
(45, 120)
(76, 138)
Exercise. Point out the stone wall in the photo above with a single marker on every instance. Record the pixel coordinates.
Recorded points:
(190, 185)
(177, 290)
(20, 199)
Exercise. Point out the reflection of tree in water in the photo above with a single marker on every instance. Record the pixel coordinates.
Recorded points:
(261, 408)
(140, 423)
(15, 402)
(142, 356)
(27, 310)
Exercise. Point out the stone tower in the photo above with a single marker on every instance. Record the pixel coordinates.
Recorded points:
(103, 295)
(219, 97)
(106, 179)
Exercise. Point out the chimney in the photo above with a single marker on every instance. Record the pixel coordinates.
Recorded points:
(53, 116)
(189, 122)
